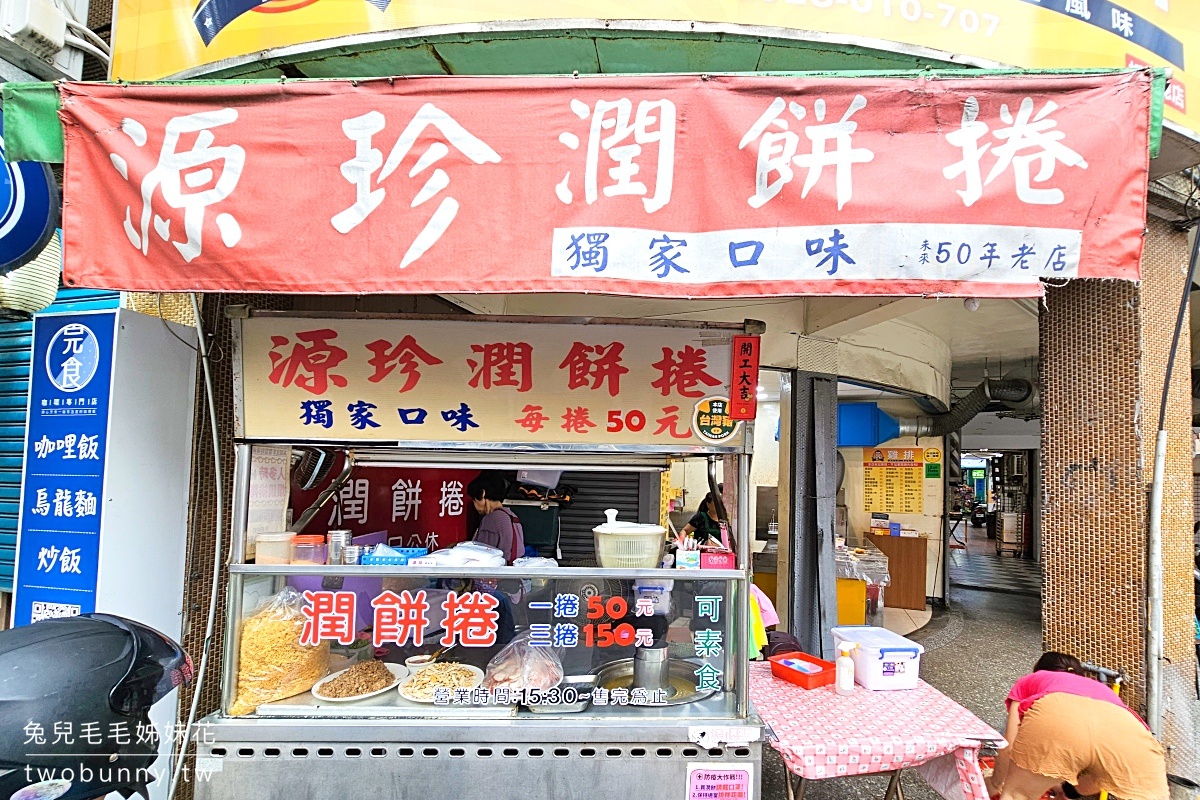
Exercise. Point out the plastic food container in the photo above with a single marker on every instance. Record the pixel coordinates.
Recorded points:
(309, 550)
(805, 680)
(628, 545)
(273, 548)
(883, 660)
(657, 592)
(546, 478)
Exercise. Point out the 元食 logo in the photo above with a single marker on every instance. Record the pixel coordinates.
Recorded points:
(72, 357)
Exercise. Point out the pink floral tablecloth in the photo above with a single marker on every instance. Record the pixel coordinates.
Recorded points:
(822, 734)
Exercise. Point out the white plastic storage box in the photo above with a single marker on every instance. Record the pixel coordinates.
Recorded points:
(883, 660)
(546, 478)
(657, 592)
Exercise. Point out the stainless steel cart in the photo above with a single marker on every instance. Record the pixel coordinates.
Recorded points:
(301, 749)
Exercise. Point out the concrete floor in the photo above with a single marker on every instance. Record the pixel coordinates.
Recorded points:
(975, 650)
(905, 621)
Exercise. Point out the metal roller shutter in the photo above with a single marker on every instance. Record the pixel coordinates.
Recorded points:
(15, 341)
(597, 491)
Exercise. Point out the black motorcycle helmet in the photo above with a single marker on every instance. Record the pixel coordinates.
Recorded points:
(158, 666)
(97, 670)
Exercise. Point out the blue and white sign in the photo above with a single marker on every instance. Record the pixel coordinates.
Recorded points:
(72, 357)
(66, 444)
(29, 210)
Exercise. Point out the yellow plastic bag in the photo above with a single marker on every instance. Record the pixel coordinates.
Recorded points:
(272, 664)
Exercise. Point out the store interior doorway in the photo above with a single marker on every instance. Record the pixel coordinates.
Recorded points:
(994, 523)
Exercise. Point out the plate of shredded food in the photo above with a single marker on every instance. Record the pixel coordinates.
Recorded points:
(420, 687)
(364, 679)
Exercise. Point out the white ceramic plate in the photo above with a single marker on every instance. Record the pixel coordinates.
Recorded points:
(399, 673)
(478, 673)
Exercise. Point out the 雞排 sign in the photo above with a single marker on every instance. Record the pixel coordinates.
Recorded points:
(893, 480)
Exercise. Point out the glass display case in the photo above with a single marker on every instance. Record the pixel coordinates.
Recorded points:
(595, 627)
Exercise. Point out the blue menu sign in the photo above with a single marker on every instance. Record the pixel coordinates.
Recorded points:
(62, 491)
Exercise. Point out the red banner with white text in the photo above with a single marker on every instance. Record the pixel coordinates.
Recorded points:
(669, 186)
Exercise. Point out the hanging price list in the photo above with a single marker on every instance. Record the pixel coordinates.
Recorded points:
(894, 480)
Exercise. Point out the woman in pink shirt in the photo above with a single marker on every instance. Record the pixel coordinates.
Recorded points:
(1066, 731)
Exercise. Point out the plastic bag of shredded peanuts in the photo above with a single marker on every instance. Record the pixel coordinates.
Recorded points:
(272, 663)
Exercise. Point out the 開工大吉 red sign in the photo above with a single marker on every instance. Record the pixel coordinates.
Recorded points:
(743, 402)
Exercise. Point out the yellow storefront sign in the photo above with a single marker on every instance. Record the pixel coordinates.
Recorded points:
(470, 382)
(156, 39)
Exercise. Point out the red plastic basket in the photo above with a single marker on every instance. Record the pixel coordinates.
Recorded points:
(805, 681)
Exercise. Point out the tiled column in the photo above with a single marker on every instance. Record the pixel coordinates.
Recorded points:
(1104, 347)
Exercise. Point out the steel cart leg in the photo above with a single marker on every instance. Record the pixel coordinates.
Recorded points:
(796, 786)
(894, 790)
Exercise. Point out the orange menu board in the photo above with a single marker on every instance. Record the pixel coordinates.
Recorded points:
(894, 480)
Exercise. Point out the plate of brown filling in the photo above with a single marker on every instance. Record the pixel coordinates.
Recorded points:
(364, 679)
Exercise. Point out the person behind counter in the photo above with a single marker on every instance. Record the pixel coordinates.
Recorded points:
(498, 527)
(1072, 734)
(704, 525)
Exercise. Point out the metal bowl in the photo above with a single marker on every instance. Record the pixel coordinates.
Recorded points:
(682, 686)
